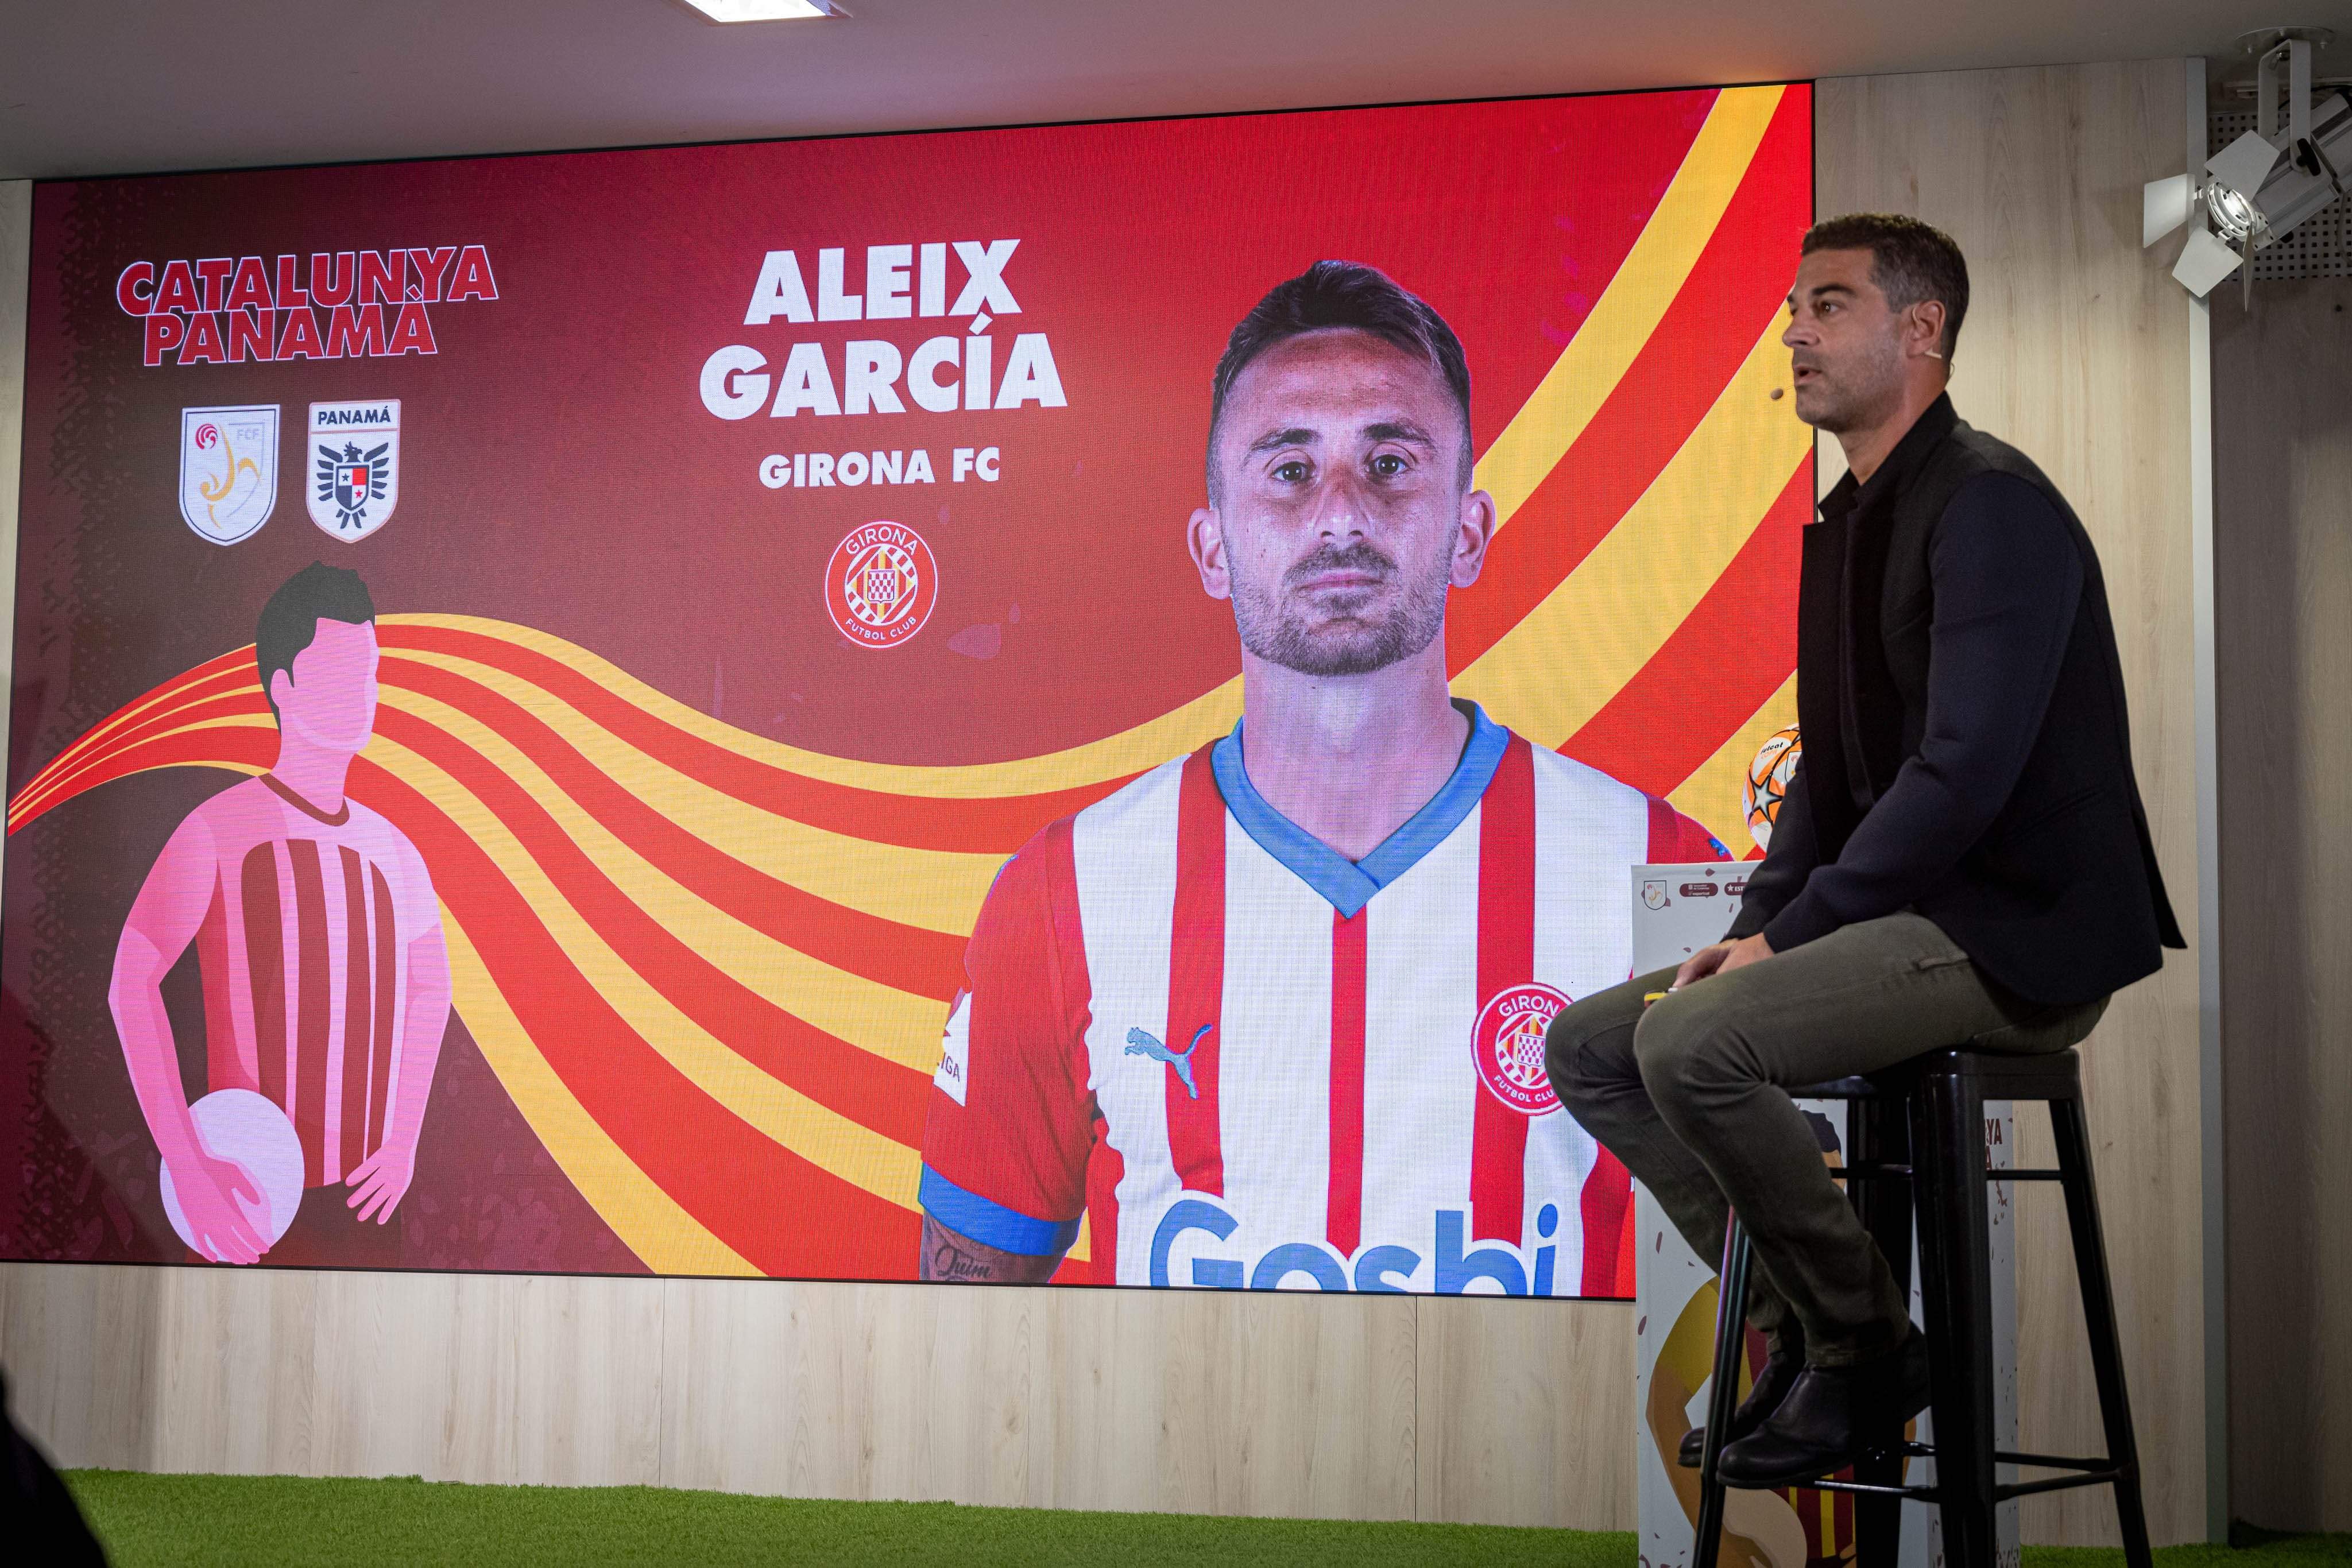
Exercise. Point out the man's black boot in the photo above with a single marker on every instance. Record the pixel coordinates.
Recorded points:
(1832, 1415)
(1764, 1397)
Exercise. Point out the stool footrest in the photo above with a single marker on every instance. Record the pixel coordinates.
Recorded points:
(2087, 1473)
(2057, 1483)
(2053, 1462)
(1911, 1450)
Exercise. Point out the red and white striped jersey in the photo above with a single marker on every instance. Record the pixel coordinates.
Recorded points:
(304, 955)
(1250, 1061)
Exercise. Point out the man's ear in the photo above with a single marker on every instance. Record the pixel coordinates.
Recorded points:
(1923, 328)
(281, 688)
(1205, 537)
(1472, 536)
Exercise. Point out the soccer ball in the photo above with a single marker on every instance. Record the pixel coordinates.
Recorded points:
(238, 1124)
(1767, 784)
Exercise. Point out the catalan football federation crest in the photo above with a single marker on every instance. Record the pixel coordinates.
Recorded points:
(1509, 1047)
(355, 480)
(1653, 894)
(229, 470)
(880, 584)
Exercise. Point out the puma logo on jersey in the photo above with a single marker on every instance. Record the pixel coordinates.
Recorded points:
(1140, 1043)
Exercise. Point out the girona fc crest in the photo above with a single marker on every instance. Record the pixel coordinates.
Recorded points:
(356, 483)
(229, 470)
(1509, 1047)
(880, 584)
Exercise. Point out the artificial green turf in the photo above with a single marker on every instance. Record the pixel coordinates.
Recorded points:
(266, 1519)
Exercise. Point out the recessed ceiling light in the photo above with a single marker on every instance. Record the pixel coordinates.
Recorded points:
(762, 10)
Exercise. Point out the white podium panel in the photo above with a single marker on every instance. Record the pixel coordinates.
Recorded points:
(1678, 909)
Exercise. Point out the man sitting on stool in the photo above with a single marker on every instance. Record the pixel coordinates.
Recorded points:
(1961, 859)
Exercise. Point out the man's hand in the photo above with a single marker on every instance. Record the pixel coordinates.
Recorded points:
(1722, 958)
(208, 1189)
(379, 1182)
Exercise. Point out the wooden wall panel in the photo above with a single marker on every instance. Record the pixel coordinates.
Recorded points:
(1367, 1408)
(2282, 633)
(1526, 1418)
(79, 1345)
(2076, 349)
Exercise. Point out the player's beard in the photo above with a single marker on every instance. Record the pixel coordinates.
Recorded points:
(1856, 391)
(1356, 640)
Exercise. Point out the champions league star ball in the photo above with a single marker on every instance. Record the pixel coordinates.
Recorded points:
(240, 1125)
(1767, 784)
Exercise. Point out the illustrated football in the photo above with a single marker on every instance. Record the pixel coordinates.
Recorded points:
(1767, 784)
(240, 1125)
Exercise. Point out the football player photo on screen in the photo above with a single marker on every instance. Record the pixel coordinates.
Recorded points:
(1272, 1015)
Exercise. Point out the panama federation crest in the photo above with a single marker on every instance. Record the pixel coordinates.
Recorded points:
(1509, 1047)
(229, 470)
(881, 584)
(355, 480)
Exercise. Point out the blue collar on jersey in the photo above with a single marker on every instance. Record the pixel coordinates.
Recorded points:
(1348, 885)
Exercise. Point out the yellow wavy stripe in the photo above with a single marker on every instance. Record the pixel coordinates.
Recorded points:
(938, 888)
(1578, 386)
(1579, 383)
(1710, 796)
(817, 1134)
(649, 1222)
(1146, 746)
(664, 1236)
(53, 784)
(898, 1026)
(841, 1147)
(94, 739)
(1595, 631)
(1596, 360)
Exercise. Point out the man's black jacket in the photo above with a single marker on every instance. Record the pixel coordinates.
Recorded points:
(1966, 751)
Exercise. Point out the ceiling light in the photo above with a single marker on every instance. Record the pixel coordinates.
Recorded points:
(762, 10)
(2258, 188)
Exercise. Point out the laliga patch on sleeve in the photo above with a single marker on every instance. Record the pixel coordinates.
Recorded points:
(955, 1056)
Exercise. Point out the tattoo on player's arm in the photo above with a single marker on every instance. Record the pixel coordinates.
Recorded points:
(959, 1259)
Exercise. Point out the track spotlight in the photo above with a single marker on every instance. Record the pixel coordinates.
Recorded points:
(2255, 191)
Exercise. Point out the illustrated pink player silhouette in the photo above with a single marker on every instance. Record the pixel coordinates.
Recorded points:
(326, 979)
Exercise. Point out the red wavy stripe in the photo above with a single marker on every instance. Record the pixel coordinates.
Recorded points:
(868, 1089)
(1700, 342)
(997, 825)
(1730, 653)
(215, 748)
(216, 697)
(910, 957)
(247, 703)
(782, 1214)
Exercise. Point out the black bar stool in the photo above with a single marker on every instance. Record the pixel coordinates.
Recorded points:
(1935, 1104)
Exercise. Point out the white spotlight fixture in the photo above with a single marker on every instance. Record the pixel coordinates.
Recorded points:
(2258, 188)
(763, 10)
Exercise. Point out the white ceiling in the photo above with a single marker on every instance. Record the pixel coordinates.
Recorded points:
(126, 85)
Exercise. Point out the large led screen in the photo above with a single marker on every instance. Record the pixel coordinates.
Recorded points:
(1047, 702)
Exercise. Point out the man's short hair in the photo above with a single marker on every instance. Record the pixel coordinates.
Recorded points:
(1909, 261)
(290, 621)
(1342, 294)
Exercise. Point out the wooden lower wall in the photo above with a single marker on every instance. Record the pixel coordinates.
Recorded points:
(1493, 1411)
